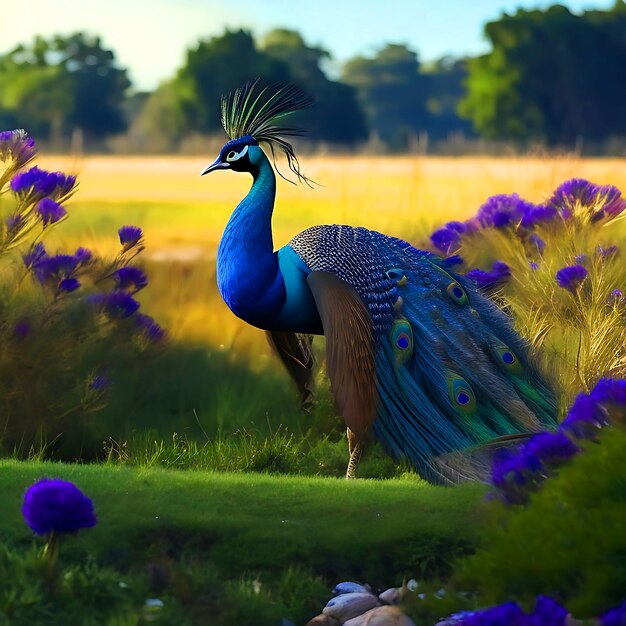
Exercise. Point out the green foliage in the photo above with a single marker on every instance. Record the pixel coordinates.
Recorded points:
(568, 542)
(336, 116)
(227, 549)
(391, 92)
(551, 75)
(280, 452)
(53, 86)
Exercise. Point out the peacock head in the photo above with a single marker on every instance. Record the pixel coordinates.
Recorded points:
(249, 117)
(241, 155)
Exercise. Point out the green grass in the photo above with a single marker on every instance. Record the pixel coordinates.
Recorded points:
(243, 527)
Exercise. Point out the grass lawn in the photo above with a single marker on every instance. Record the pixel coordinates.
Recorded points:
(245, 527)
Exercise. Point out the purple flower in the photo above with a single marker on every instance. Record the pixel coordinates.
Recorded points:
(617, 297)
(35, 255)
(149, 327)
(539, 242)
(514, 475)
(50, 211)
(14, 221)
(21, 329)
(57, 266)
(42, 183)
(69, 284)
(615, 617)
(446, 239)
(549, 449)
(17, 146)
(533, 266)
(99, 383)
(508, 613)
(585, 417)
(571, 277)
(488, 280)
(607, 253)
(534, 215)
(52, 505)
(117, 304)
(548, 613)
(83, 256)
(503, 209)
(130, 277)
(600, 202)
(129, 236)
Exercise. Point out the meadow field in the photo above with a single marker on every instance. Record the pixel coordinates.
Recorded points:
(184, 215)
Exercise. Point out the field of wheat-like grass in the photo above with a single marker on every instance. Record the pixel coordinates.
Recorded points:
(183, 215)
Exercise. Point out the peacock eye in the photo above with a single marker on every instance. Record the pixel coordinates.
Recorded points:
(235, 156)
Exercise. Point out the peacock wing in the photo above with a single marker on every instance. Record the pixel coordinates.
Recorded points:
(350, 349)
(295, 352)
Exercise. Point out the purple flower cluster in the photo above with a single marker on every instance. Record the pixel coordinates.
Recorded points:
(56, 270)
(547, 612)
(149, 327)
(50, 211)
(603, 405)
(130, 278)
(602, 202)
(52, 505)
(448, 237)
(571, 277)
(504, 210)
(489, 280)
(116, 304)
(615, 617)
(130, 236)
(16, 146)
(516, 473)
(41, 183)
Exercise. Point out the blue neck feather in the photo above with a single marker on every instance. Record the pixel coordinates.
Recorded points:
(248, 276)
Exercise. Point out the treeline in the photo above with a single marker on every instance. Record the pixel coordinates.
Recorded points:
(551, 77)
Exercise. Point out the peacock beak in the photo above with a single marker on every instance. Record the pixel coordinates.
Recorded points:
(216, 165)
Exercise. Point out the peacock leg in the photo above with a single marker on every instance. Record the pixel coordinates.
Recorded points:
(355, 449)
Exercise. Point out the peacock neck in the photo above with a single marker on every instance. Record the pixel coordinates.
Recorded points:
(248, 276)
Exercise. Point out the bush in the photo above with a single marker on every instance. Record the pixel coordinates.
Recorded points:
(568, 542)
(69, 324)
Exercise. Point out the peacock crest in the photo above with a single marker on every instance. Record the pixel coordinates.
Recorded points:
(258, 112)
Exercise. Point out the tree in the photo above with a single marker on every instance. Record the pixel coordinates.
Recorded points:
(551, 75)
(336, 115)
(392, 93)
(216, 67)
(53, 86)
(444, 89)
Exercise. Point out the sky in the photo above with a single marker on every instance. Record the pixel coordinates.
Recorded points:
(150, 37)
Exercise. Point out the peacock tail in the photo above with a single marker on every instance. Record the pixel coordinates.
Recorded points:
(451, 373)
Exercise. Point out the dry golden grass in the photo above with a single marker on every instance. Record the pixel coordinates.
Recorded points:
(184, 215)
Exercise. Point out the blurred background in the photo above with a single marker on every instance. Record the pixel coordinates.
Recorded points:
(406, 76)
(423, 111)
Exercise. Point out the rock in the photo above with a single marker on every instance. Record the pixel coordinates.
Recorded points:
(412, 584)
(350, 587)
(322, 620)
(381, 616)
(349, 605)
(391, 596)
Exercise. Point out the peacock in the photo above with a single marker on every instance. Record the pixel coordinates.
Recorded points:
(415, 354)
